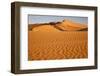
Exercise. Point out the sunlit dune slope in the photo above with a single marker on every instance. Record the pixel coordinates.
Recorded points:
(45, 28)
(67, 25)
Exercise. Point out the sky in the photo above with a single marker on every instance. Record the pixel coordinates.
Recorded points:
(33, 19)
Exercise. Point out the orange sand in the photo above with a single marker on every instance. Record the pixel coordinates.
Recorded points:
(46, 42)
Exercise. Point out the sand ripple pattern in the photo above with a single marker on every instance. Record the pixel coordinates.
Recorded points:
(57, 45)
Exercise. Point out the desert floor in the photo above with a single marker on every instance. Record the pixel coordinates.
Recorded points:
(57, 45)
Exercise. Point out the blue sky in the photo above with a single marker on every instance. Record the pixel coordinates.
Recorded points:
(33, 19)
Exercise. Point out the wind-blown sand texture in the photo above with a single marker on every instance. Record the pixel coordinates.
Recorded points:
(60, 40)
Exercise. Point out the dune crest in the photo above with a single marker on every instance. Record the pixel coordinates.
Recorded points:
(65, 25)
(45, 28)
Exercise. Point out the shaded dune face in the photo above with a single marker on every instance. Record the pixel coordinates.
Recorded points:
(57, 40)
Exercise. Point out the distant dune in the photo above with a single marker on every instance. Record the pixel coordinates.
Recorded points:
(57, 40)
(65, 25)
(45, 28)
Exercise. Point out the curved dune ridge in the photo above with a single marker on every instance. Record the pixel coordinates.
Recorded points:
(45, 28)
(68, 25)
(65, 25)
(57, 40)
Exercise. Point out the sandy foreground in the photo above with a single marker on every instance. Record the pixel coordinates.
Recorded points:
(57, 45)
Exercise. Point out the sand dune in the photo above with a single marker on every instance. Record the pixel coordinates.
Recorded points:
(65, 25)
(57, 40)
(68, 25)
(45, 28)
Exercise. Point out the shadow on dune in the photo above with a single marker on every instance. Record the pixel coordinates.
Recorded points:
(65, 25)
